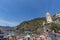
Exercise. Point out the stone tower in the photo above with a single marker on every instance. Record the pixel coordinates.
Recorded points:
(48, 17)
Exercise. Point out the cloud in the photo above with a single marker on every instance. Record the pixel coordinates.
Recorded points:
(7, 23)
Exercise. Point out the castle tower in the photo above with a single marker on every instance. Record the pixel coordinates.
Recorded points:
(48, 17)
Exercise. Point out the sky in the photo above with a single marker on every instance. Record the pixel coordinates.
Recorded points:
(13, 12)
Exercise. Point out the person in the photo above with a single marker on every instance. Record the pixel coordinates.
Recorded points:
(24, 38)
(28, 38)
(42, 37)
(45, 37)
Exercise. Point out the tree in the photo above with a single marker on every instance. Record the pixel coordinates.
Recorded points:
(55, 26)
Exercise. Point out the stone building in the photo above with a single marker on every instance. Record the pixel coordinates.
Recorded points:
(48, 18)
(57, 17)
(46, 24)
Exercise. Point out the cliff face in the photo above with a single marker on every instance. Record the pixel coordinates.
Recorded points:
(31, 25)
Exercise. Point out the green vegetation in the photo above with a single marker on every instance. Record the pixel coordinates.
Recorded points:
(31, 25)
(55, 26)
(35, 24)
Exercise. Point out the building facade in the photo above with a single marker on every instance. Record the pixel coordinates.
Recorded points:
(48, 18)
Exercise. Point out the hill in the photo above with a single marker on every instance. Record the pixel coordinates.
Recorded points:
(6, 27)
(31, 25)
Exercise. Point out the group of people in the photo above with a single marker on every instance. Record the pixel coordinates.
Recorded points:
(41, 37)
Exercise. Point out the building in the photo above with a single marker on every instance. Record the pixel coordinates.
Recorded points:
(57, 14)
(1, 35)
(48, 18)
(57, 17)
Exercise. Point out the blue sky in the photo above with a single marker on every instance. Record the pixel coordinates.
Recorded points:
(13, 12)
